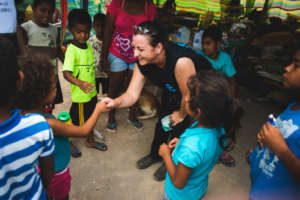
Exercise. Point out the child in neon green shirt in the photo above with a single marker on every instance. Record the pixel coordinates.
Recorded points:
(79, 70)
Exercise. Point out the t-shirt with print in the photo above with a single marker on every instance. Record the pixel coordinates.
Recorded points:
(223, 63)
(199, 149)
(42, 37)
(124, 25)
(270, 179)
(24, 139)
(42, 40)
(97, 46)
(81, 63)
(8, 16)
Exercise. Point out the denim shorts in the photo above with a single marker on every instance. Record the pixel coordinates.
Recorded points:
(118, 65)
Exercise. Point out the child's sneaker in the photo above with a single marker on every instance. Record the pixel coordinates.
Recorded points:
(98, 134)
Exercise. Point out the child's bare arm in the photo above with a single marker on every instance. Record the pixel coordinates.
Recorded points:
(180, 174)
(84, 86)
(22, 39)
(60, 53)
(47, 170)
(64, 130)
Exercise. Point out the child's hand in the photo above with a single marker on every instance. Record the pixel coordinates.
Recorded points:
(271, 137)
(173, 143)
(109, 103)
(102, 106)
(176, 118)
(86, 87)
(164, 150)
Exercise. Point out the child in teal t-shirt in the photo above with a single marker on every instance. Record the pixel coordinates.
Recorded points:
(211, 50)
(79, 70)
(211, 105)
(221, 62)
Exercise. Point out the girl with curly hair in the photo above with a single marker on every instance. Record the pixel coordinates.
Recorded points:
(38, 89)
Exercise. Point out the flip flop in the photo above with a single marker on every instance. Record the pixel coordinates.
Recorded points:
(75, 152)
(100, 146)
(227, 160)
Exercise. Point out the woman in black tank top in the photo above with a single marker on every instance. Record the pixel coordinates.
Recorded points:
(168, 66)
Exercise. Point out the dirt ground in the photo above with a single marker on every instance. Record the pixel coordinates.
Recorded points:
(112, 175)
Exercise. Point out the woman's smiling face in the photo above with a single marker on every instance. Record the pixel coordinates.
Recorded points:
(143, 51)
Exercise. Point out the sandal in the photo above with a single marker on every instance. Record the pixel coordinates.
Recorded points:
(111, 127)
(227, 159)
(137, 125)
(75, 152)
(100, 146)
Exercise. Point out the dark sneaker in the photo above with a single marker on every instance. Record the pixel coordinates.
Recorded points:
(160, 173)
(145, 162)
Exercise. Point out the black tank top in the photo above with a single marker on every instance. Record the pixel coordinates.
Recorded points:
(165, 77)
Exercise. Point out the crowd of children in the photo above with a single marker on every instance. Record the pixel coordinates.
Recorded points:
(35, 146)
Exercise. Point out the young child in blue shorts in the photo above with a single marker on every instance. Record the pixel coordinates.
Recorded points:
(25, 140)
(215, 113)
(39, 88)
(275, 173)
(221, 62)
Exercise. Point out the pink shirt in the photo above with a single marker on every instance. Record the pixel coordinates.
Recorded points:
(124, 25)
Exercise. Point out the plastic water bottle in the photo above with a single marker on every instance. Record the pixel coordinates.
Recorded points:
(166, 123)
(98, 134)
(272, 120)
(183, 35)
(65, 118)
(197, 42)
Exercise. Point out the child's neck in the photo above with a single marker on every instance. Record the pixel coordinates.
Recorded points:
(200, 125)
(4, 114)
(33, 110)
(296, 106)
(39, 24)
(215, 56)
(99, 37)
(80, 45)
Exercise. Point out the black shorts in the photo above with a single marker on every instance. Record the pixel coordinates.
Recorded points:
(80, 112)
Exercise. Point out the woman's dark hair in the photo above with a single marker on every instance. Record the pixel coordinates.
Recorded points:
(154, 30)
(79, 16)
(38, 77)
(36, 3)
(8, 71)
(211, 93)
(214, 32)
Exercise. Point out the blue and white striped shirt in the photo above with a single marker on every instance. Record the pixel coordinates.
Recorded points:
(23, 140)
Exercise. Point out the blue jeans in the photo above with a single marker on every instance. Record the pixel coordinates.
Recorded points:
(118, 65)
